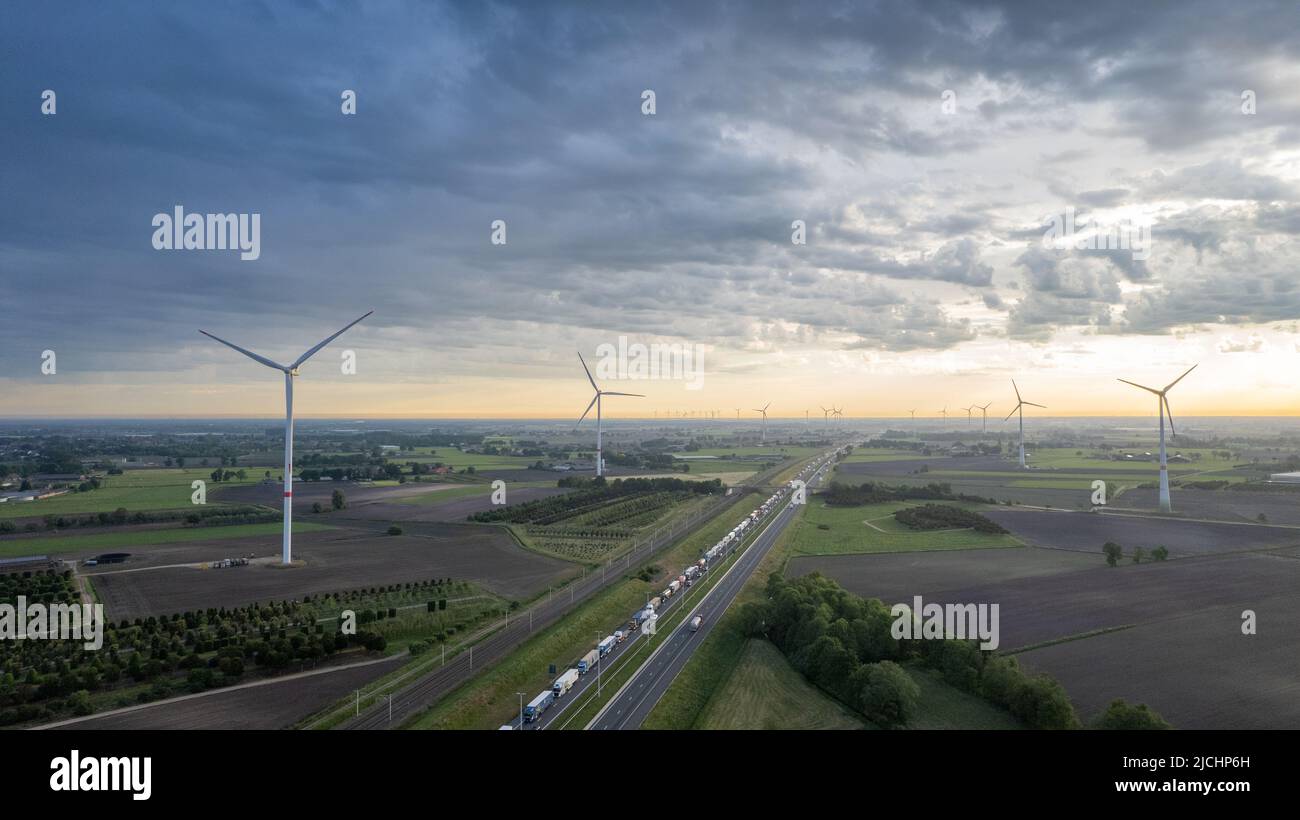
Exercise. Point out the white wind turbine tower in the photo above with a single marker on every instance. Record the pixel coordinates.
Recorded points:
(968, 414)
(826, 416)
(1020, 405)
(984, 423)
(595, 402)
(764, 412)
(944, 413)
(290, 371)
(1162, 409)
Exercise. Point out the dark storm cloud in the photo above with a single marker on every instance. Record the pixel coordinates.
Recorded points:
(673, 224)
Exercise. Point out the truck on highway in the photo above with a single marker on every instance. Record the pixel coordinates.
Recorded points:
(565, 682)
(588, 662)
(695, 623)
(620, 635)
(607, 644)
(655, 602)
(538, 705)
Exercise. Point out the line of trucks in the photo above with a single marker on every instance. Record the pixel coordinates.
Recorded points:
(642, 617)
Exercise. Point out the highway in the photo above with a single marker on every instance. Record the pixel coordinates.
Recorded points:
(557, 715)
(429, 687)
(630, 706)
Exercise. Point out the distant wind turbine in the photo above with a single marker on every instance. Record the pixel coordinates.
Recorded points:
(1162, 409)
(1020, 405)
(290, 371)
(595, 402)
(968, 413)
(984, 410)
(764, 412)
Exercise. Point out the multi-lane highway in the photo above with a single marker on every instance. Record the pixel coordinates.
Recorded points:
(630, 706)
(631, 650)
(427, 688)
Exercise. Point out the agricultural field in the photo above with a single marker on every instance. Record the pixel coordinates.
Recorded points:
(87, 544)
(826, 530)
(136, 490)
(1087, 532)
(775, 452)
(271, 704)
(166, 579)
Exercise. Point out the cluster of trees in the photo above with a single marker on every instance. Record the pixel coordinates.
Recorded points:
(1115, 553)
(839, 494)
(944, 517)
(844, 645)
(590, 495)
(186, 651)
(219, 475)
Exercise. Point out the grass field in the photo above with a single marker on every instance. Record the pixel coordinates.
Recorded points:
(872, 528)
(58, 544)
(160, 489)
(945, 707)
(763, 692)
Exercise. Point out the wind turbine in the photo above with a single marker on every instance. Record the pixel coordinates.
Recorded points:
(826, 416)
(968, 413)
(290, 371)
(764, 412)
(944, 413)
(737, 414)
(984, 410)
(1020, 405)
(1162, 409)
(595, 402)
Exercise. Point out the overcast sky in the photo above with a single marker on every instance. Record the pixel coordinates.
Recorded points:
(925, 146)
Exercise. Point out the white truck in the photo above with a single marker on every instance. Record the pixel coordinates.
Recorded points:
(607, 644)
(565, 682)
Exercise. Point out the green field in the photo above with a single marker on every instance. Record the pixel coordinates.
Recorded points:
(945, 707)
(136, 490)
(57, 544)
(764, 692)
(849, 531)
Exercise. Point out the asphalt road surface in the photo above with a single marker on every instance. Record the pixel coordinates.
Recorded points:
(639, 696)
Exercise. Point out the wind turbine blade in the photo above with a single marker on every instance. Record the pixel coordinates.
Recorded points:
(769, 404)
(588, 410)
(1143, 386)
(1180, 378)
(588, 372)
(1013, 411)
(1170, 413)
(250, 354)
(612, 393)
(1017, 389)
(1031, 404)
(304, 357)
